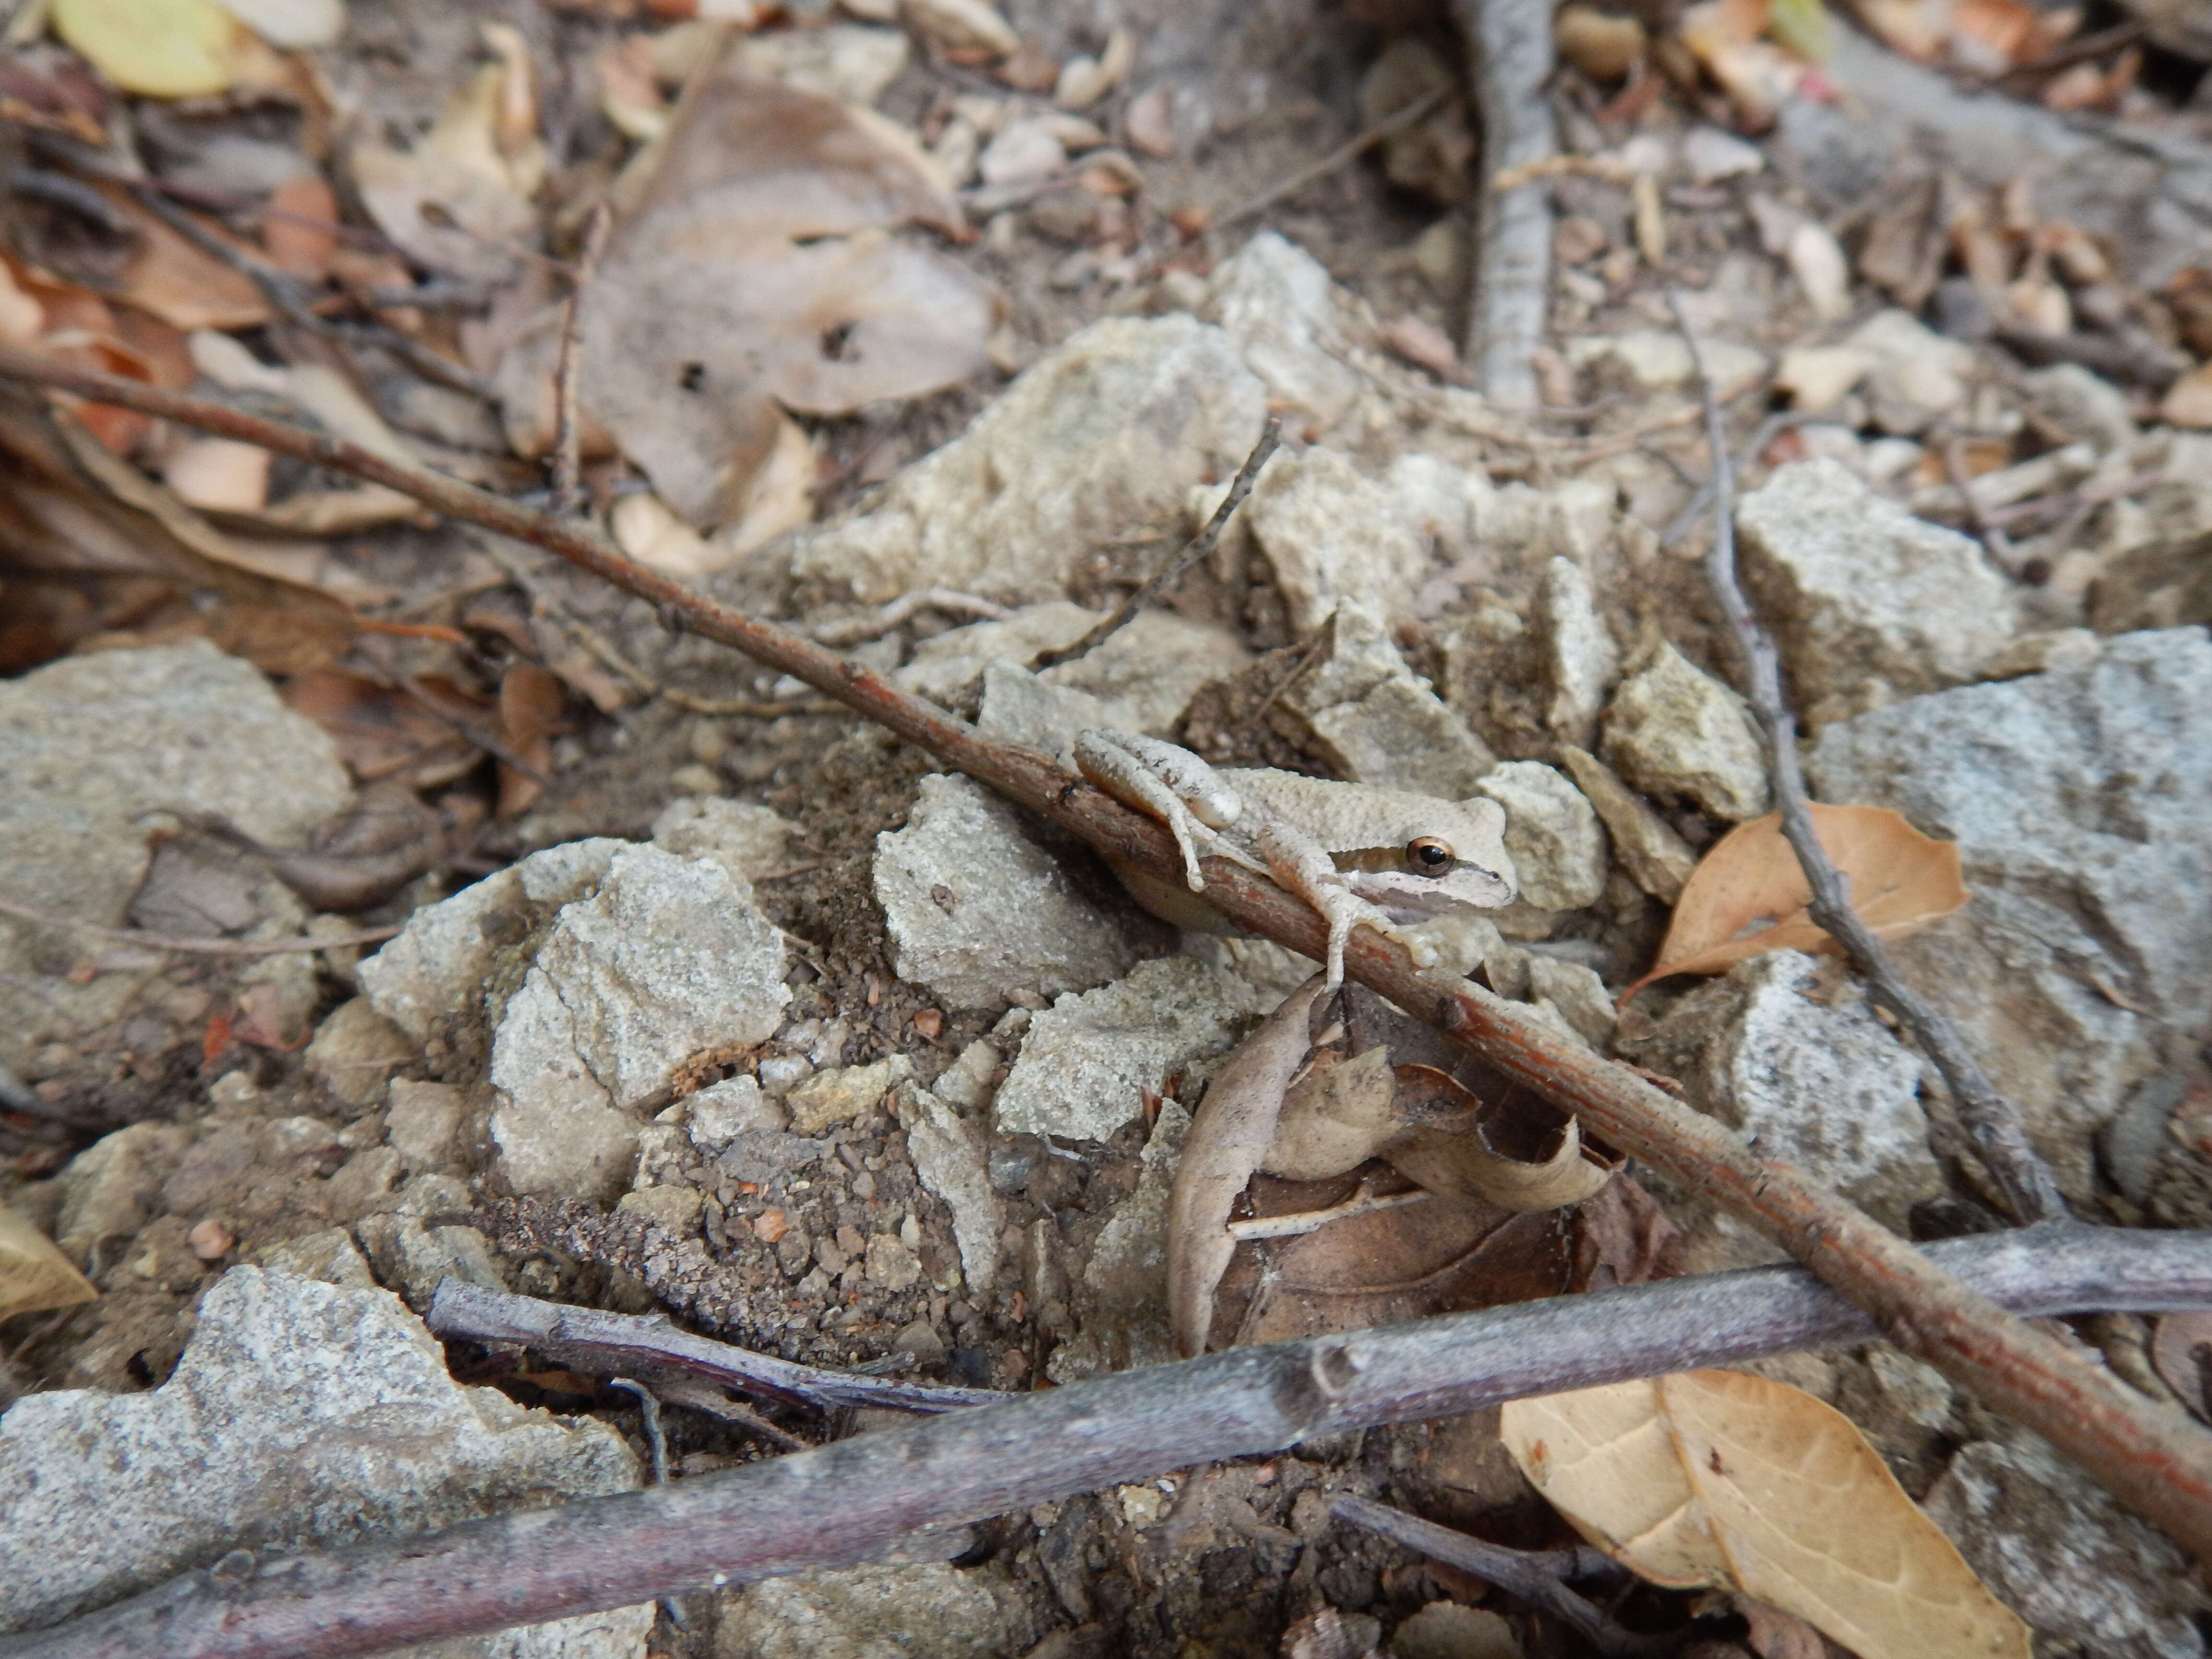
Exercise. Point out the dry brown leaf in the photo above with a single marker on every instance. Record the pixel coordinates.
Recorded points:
(184, 285)
(459, 201)
(1721, 1479)
(1335, 1118)
(381, 734)
(2181, 1349)
(1519, 1161)
(1231, 1133)
(752, 265)
(300, 229)
(1748, 895)
(2188, 402)
(530, 704)
(212, 473)
(34, 1275)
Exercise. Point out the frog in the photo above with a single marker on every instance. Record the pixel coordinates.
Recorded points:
(1360, 854)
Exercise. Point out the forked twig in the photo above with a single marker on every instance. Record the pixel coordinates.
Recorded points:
(845, 1502)
(1192, 550)
(2022, 1178)
(2149, 1459)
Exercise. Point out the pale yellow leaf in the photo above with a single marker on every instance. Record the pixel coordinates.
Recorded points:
(1748, 895)
(1722, 1479)
(34, 1275)
(159, 48)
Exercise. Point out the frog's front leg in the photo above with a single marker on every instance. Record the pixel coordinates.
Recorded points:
(1163, 780)
(1303, 866)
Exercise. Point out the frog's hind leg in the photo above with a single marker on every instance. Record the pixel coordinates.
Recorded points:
(1163, 781)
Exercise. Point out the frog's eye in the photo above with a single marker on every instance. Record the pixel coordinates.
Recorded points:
(1428, 856)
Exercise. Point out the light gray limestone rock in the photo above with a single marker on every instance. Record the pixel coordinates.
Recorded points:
(1123, 1302)
(1289, 323)
(978, 912)
(301, 1413)
(1867, 603)
(1673, 729)
(1109, 429)
(2081, 802)
(1373, 720)
(1581, 661)
(1088, 1061)
(952, 1157)
(1558, 845)
(867, 1612)
(750, 842)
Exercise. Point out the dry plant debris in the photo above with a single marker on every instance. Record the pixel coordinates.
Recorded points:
(1722, 1478)
(1749, 896)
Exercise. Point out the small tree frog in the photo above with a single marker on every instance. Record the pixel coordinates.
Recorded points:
(1356, 853)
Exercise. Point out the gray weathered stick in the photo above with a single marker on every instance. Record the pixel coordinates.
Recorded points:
(1510, 48)
(844, 1503)
(2021, 1176)
(622, 1341)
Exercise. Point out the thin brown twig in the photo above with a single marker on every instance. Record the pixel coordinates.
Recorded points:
(568, 372)
(1536, 1580)
(1997, 544)
(203, 947)
(2028, 1188)
(1192, 551)
(2155, 1465)
(1345, 152)
(845, 1502)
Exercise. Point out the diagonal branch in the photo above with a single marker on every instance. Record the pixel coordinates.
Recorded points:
(2021, 1176)
(2151, 1458)
(847, 1502)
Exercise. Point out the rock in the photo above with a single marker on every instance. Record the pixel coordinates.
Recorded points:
(414, 1256)
(831, 1097)
(1020, 708)
(1289, 324)
(114, 1188)
(1125, 1278)
(1021, 152)
(329, 1255)
(2162, 584)
(1815, 1079)
(1575, 994)
(1140, 679)
(1330, 533)
(1674, 730)
(432, 979)
(1372, 720)
(1653, 360)
(420, 1123)
(1578, 519)
(1657, 858)
(2081, 802)
(1818, 377)
(747, 840)
(1558, 845)
(1711, 154)
(667, 958)
(301, 1414)
(1446, 1630)
(978, 912)
(2057, 1549)
(2039, 654)
(1581, 662)
(1112, 429)
(866, 1613)
(1918, 374)
(974, 24)
(1088, 1061)
(355, 1052)
(717, 1115)
(2071, 405)
(891, 1262)
(1867, 603)
(81, 811)
(675, 1210)
(952, 1157)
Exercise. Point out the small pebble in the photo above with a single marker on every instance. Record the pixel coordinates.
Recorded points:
(210, 1240)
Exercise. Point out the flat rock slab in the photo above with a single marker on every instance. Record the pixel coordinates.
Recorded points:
(302, 1414)
(2081, 802)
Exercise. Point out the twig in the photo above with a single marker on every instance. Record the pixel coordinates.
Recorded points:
(635, 1342)
(1192, 550)
(656, 1445)
(852, 630)
(1701, 499)
(1362, 1202)
(1535, 1579)
(1994, 541)
(567, 428)
(205, 947)
(2073, 500)
(757, 709)
(2158, 1466)
(2027, 1184)
(1345, 152)
(844, 1502)
(1508, 44)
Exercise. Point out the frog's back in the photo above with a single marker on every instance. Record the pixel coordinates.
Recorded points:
(1352, 817)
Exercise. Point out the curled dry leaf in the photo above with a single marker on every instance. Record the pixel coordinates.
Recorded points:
(34, 1275)
(1335, 1117)
(752, 268)
(1719, 1478)
(1508, 1160)
(1748, 895)
(1233, 1128)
